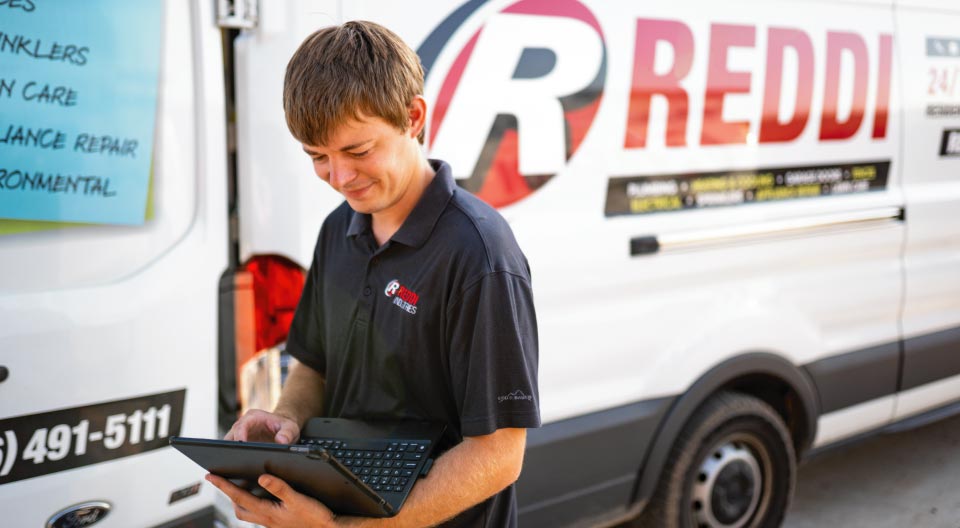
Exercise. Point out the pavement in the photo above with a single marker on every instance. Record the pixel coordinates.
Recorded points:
(902, 480)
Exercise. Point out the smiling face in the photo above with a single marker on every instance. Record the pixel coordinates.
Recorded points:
(352, 96)
(375, 166)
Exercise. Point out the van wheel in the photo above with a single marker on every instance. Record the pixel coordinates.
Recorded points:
(733, 466)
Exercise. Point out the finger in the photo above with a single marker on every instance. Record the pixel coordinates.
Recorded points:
(296, 503)
(238, 495)
(280, 489)
(241, 433)
(234, 432)
(242, 514)
(257, 426)
(247, 425)
(288, 433)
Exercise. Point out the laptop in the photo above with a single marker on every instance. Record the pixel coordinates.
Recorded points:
(353, 467)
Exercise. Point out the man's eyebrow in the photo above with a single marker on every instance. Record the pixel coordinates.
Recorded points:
(344, 149)
(355, 145)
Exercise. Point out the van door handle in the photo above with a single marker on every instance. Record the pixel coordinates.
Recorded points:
(650, 244)
(644, 245)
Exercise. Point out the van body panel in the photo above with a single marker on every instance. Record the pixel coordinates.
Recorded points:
(615, 441)
(781, 274)
(931, 310)
(99, 314)
(929, 396)
(847, 422)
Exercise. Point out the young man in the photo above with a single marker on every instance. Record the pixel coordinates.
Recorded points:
(418, 301)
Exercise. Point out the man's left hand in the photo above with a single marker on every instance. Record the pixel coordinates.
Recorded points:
(293, 510)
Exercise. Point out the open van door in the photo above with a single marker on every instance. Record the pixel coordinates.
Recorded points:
(108, 332)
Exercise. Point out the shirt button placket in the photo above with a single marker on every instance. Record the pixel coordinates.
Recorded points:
(367, 302)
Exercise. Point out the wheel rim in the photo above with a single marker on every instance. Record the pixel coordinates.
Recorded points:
(730, 483)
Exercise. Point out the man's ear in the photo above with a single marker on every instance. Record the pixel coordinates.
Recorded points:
(417, 112)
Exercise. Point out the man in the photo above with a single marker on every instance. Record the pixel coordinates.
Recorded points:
(417, 304)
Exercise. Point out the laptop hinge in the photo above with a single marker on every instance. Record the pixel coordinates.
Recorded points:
(426, 467)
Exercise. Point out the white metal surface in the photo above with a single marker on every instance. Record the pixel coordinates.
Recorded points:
(106, 313)
(616, 329)
(852, 420)
(281, 201)
(809, 226)
(931, 185)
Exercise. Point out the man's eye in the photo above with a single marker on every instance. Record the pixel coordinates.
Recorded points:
(360, 154)
(319, 159)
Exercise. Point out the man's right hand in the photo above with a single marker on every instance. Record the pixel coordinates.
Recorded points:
(262, 426)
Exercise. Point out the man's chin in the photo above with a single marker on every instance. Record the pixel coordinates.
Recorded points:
(362, 206)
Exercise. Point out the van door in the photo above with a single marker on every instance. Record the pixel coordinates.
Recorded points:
(108, 332)
(928, 32)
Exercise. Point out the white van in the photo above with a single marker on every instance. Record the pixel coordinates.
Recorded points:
(742, 219)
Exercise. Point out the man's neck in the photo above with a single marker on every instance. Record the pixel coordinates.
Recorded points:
(387, 222)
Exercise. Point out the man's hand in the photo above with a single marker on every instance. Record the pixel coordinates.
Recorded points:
(294, 509)
(261, 426)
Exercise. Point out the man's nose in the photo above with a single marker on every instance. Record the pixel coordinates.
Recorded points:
(341, 172)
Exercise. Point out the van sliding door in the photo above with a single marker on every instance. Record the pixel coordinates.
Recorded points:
(928, 35)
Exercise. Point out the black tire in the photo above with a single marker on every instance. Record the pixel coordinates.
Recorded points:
(733, 466)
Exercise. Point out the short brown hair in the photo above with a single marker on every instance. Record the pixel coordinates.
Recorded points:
(341, 72)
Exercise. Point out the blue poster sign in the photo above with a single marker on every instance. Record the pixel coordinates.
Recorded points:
(78, 100)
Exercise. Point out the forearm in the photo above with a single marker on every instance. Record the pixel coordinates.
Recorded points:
(302, 396)
(466, 475)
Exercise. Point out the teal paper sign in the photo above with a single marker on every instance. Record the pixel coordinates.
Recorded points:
(78, 98)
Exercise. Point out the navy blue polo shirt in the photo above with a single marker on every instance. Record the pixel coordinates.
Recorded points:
(438, 323)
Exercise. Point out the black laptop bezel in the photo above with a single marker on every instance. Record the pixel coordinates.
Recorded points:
(212, 455)
(259, 458)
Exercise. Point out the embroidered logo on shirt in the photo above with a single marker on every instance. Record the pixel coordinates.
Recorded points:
(402, 296)
(515, 396)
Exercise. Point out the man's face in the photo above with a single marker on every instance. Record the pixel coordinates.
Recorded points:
(370, 162)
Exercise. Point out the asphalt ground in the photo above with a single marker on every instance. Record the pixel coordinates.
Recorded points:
(901, 480)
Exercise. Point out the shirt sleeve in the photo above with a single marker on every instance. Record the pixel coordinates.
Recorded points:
(492, 331)
(305, 340)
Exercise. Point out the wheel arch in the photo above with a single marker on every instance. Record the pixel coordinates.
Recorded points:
(769, 377)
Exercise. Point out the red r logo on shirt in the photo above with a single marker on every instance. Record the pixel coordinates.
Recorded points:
(392, 288)
(403, 297)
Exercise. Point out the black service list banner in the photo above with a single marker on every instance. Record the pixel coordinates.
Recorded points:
(633, 195)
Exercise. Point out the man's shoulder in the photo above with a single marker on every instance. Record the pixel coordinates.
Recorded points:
(478, 232)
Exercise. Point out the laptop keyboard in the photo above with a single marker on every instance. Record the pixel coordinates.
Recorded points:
(384, 465)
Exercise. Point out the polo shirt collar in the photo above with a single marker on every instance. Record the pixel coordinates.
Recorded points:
(359, 223)
(420, 222)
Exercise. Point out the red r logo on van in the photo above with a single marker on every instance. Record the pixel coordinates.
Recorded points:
(518, 96)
